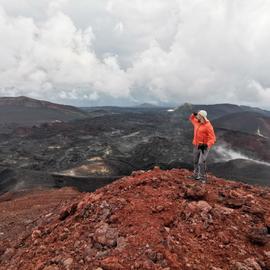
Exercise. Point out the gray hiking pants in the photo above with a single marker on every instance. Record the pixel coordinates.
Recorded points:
(199, 159)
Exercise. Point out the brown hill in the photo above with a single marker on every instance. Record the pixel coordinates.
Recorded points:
(35, 103)
(152, 220)
(25, 110)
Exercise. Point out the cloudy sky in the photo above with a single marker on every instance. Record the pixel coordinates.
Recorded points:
(119, 52)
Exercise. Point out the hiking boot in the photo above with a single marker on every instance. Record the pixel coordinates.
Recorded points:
(201, 179)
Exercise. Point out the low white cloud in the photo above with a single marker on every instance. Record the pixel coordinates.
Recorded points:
(225, 153)
(174, 51)
(54, 57)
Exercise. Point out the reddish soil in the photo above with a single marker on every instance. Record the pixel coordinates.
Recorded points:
(152, 220)
(20, 212)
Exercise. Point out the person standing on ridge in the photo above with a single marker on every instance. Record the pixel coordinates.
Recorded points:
(204, 138)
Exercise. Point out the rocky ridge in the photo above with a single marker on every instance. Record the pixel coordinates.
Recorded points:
(157, 219)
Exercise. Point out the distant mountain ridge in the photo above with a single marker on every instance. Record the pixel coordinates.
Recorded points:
(28, 111)
(219, 110)
(35, 103)
(147, 105)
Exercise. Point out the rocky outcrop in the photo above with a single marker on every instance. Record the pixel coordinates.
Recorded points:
(153, 220)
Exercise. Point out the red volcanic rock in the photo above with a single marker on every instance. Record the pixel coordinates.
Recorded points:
(195, 192)
(152, 220)
(259, 236)
(105, 235)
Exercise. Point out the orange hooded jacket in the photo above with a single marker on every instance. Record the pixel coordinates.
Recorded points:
(203, 132)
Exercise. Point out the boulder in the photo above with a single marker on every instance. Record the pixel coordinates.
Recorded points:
(105, 235)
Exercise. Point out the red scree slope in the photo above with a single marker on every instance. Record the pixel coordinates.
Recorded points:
(152, 220)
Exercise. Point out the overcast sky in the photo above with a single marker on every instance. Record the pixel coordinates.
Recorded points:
(120, 52)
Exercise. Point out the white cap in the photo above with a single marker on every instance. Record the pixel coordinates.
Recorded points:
(203, 114)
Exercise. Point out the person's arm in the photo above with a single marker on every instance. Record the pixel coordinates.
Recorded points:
(192, 118)
(211, 138)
